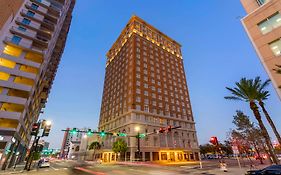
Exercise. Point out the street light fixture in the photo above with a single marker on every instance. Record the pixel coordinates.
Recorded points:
(48, 122)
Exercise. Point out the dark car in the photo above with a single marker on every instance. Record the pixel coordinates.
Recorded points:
(270, 170)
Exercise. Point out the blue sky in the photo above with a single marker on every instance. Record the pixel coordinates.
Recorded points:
(216, 52)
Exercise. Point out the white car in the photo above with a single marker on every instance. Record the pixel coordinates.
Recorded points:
(44, 163)
(279, 156)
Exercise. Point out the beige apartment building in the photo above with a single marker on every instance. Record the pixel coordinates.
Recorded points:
(263, 26)
(145, 89)
(32, 39)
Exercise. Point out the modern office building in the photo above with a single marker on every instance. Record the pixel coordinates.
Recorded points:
(263, 26)
(32, 39)
(145, 89)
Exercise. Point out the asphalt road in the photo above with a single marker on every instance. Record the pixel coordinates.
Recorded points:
(73, 168)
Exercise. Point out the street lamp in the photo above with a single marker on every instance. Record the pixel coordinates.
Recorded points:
(137, 129)
(48, 122)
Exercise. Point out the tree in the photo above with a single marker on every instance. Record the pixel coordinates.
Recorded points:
(278, 71)
(120, 146)
(261, 96)
(246, 90)
(95, 146)
(246, 134)
(207, 148)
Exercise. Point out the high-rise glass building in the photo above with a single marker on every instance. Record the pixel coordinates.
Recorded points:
(263, 26)
(145, 89)
(32, 39)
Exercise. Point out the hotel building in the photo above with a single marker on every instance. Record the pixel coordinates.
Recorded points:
(32, 39)
(263, 26)
(145, 89)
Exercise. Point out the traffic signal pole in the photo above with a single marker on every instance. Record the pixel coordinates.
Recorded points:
(138, 151)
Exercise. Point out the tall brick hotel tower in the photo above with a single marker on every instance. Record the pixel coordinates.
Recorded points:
(32, 39)
(145, 89)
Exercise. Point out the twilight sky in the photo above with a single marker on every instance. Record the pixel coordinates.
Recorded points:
(216, 52)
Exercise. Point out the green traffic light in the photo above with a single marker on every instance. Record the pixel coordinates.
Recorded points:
(73, 131)
(142, 135)
(89, 133)
(122, 134)
(102, 133)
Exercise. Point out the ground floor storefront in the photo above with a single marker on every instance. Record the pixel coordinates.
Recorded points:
(148, 155)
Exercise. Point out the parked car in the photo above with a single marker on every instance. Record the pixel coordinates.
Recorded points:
(43, 163)
(279, 156)
(270, 170)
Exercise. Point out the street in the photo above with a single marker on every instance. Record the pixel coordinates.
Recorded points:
(60, 167)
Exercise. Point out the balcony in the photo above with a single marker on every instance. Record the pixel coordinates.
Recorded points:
(34, 16)
(49, 6)
(37, 39)
(16, 30)
(42, 11)
(31, 25)
(24, 45)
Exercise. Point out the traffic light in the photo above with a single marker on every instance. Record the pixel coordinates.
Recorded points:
(46, 130)
(73, 131)
(161, 130)
(141, 135)
(35, 129)
(214, 141)
(121, 134)
(102, 133)
(89, 132)
(169, 128)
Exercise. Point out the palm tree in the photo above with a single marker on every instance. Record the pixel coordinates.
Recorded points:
(95, 146)
(261, 96)
(246, 90)
(278, 70)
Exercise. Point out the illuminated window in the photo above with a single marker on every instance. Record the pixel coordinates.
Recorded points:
(13, 51)
(34, 57)
(7, 63)
(25, 81)
(4, 76)
(29, 69)
(8, 123)
(270, 23)
(12, 107)
(276, 47)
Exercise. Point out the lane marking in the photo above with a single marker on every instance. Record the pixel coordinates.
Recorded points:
(89, 171)
(54, 168)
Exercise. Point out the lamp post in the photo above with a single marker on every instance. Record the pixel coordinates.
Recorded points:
(137, 129)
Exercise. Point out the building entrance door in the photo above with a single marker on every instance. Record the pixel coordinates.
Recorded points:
(172, 156)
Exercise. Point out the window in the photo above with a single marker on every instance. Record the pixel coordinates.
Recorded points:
(138, 107)
(138, 99)
(261, 2)
(22, 28)
(276, 47)
(146, 93)
(146, 108)
(270, 23)
(26, 21)
(30, 13)
(34, 6)
(16, 39)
